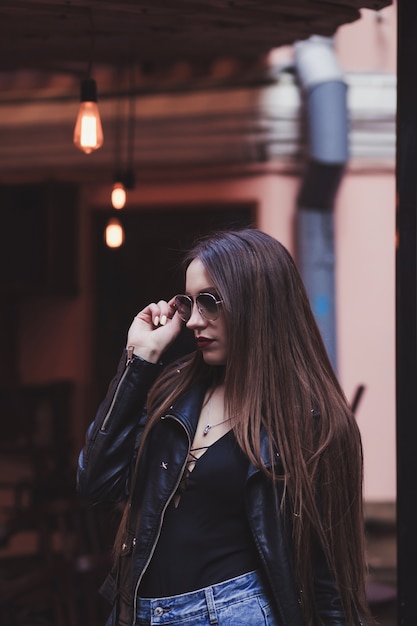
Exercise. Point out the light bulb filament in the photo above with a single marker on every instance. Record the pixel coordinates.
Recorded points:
(88, 132)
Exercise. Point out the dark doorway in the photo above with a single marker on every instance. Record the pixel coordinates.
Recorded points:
(145, 269)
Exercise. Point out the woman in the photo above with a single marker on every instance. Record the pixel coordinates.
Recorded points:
(243, 474)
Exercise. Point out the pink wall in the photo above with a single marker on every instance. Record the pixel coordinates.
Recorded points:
(365, 243)
(370, 44)
(365, 231)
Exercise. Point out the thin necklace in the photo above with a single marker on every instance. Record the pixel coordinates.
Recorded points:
(209, 426)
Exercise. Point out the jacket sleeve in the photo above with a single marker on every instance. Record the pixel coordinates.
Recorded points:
(105, 463)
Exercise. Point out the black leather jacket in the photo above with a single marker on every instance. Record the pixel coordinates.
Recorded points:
(105, 472)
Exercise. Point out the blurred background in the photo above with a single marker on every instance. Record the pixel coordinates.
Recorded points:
(212, 115)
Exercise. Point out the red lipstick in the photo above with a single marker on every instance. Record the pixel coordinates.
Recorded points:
(203, 342)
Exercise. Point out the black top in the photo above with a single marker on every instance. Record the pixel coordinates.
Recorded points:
(205, 539)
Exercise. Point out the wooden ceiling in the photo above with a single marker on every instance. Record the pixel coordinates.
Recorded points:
(71, 36)
(179, 49)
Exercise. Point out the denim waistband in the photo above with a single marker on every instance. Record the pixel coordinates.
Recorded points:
(172, 608)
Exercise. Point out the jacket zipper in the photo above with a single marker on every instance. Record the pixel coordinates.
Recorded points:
(129, 361)
(161, 520)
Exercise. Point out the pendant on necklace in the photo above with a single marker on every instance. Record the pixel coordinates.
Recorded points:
(206, 430)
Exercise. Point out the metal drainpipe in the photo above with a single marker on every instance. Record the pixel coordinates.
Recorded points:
(327, 124)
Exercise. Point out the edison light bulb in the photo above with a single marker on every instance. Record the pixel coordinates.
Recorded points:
(118, 196)
(114, 235)
(88, 132)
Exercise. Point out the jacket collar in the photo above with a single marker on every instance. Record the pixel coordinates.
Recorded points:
(187, 408)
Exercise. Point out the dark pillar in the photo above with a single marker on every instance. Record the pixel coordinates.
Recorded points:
(406, 276)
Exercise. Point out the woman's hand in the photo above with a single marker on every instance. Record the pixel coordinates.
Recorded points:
(153, 330)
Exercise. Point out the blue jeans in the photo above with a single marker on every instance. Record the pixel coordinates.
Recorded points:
(240, 601)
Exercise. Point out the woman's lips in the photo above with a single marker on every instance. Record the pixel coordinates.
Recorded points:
(203, 342)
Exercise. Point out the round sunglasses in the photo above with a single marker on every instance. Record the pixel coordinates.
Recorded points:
(207, 305)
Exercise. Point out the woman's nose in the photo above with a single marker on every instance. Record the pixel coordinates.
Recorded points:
(196, 320)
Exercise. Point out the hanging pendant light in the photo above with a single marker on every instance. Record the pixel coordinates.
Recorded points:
(88, 132)
(114, 235)
(122, 183)
(118, 195)
(124, 179)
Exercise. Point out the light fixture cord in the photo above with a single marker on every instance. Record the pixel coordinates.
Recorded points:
(132, 119)
(118, 139)
(92, 41)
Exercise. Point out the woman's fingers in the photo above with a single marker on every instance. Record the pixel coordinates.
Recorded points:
(171, 306)
(157, 315)
(153, 329)
(160, 312)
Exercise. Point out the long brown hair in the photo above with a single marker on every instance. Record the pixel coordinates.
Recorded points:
(278, 378)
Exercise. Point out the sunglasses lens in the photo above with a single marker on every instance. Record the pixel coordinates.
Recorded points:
(208, 306)
(184, 307)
